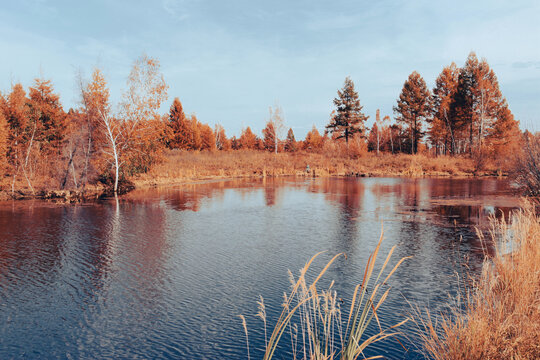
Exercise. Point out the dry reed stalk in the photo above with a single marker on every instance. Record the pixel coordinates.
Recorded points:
(318, 314)
(501, 319)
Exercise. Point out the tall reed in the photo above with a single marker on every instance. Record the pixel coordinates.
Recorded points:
(313, 317)
(501, 316)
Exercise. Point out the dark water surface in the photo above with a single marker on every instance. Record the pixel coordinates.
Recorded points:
(164, 273)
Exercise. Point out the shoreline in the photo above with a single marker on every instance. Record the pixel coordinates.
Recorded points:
(73, 196)
(192, 167)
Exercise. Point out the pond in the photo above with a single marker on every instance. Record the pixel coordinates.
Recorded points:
(164, 273)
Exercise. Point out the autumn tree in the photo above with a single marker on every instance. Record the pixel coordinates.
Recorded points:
(207, 137)
(444, 124)
(313, 140)
(47, 116)
(180, 129)
(195, 133)
(222, 143)
(95, 98)
(16, 112)
(377, 131)
(349, 118)
(373, 137)
(478, 100)
(4, 139)
(413, 107)
(247, 140)
(504, 136)
(290, 141)
(143, 128)
(274, 129)
(134, 136)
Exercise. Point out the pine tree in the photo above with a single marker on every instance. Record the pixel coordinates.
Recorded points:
(413, 107)
(349, 118)
(290, 142)
(180, 137)
(269, 137)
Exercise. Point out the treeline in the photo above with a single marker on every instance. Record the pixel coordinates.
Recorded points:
(40, 143)
(465, 113)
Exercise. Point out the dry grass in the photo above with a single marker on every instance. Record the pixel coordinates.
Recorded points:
(180, 166)
(313, 318)
(501, 319)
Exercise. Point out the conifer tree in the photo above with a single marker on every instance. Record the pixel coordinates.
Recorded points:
(349, 119)
(290, 142)
(179, 127)
(413, 107)
(269, 137)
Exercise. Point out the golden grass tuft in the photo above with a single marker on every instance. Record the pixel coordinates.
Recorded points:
(501, 318)
(313, 317)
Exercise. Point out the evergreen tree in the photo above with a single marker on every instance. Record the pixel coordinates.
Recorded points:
(349, 118)
(180, 136)
(269, 137)
(290, 142)
(413, 107)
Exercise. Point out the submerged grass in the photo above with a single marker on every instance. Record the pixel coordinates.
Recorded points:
(501, 316)
(313, 317)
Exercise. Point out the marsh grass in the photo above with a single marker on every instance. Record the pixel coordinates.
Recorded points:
(180, 166)
(500, 318)
(317, 325)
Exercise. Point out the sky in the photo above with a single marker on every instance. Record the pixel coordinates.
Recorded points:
(229, 61)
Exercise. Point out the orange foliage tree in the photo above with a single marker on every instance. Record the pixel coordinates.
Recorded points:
(180, 128)
(248, 140)
(313, 140)
(290, 141)
(47, 116)
(4, 138)
(134, 137)
(444, 124)
(413, 107)
(222, 143)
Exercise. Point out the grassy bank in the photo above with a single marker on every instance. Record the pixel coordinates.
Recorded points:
(501, 319)
(180, 166)
(185, 166)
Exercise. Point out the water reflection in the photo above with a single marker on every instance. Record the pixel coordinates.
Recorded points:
(164, 272)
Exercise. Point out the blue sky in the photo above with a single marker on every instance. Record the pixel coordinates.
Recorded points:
(228, 61)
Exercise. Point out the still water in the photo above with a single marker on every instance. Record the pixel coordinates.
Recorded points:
(164, 273)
